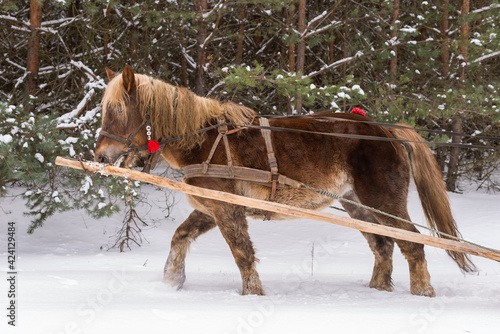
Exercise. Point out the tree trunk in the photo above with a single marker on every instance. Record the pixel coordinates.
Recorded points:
(331, 48)
(394, 34)
(301, 50)
(464, 32)
(106, 30)
(345, 45)
(291, 46)
(452, 176)
(33, 63)
(241, 35)
(134, 45)
(200, 55)
(283, 47)
(445, 42)
(291, 51)
(184, 65)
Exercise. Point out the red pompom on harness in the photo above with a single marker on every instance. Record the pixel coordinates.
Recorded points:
(153, 146)
(358, 111)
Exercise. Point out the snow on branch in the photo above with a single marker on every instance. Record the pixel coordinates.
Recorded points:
(20, 80)
(90, 74)
(221, 4)
(14, 19)
(317, 18)
(72, 119)
(483, 9)
(265, 45)
(188, 58)
(65, 119)
(23, 68)
(331, 66)
(221, 83)
(485, 57)
(333, 24)
(61, 22)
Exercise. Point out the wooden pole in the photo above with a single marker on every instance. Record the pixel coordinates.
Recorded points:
(283, 209)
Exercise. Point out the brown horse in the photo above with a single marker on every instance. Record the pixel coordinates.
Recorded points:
(374, 173)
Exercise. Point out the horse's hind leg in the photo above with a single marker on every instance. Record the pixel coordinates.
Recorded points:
(381, 246)
(233, 225)
(395, 203)
(420, 279)
(196, 224)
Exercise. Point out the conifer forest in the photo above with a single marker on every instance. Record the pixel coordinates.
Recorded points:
(432, 64)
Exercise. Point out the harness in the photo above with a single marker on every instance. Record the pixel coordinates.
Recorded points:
(271, 178)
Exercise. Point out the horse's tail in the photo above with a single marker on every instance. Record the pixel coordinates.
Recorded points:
(432, 191)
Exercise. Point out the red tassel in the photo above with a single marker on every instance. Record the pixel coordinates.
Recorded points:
(359, 111)
(153, 146)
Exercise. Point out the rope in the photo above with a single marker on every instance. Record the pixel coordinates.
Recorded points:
(439, 132)
(353, 136)
(342, 135)
(335, 196)
(342, 199)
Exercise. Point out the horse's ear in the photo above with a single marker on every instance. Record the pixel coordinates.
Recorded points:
(111, 74)
(128, 78)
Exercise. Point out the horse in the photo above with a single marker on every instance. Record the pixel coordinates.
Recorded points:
(371, 172)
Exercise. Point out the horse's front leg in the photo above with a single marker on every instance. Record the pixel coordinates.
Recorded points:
(196, 224)
(233, 225)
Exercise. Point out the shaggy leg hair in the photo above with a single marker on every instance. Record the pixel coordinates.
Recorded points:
(195, 225)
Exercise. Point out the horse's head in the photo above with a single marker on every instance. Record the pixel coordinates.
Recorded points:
(123, 131)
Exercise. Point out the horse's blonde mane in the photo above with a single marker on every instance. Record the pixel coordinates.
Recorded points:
(174, 111)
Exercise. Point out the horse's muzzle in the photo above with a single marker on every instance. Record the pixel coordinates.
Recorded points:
(118, 161)
(124, 160)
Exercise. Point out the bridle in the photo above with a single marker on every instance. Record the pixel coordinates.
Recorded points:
(128, 141)
(131, 148)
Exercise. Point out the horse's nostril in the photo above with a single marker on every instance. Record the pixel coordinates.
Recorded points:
(102, 159)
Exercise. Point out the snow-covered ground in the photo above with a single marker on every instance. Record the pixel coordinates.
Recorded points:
(69, 283)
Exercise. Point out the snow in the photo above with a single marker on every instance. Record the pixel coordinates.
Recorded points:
(39, 157)
(343, 95)
(87, 183)
(5, 139)
(409, 29)
(358, 89)
(476, 42)
(69, 283)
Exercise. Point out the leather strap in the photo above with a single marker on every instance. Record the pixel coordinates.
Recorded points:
(253, 175)
(270, 178)
(206, 163)
(223, 132)
(266, 133)
(273, 163)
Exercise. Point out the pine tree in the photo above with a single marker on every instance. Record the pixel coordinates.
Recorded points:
(422, 63)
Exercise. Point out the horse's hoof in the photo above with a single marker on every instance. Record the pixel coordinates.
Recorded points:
(253, 286)
(176, 279)
(382, 286)
(258, 292)
(426, 291)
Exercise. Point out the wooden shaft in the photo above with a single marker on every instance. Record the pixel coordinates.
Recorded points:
(283, 209)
